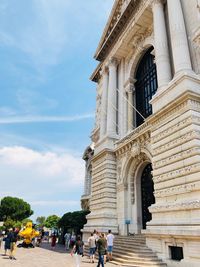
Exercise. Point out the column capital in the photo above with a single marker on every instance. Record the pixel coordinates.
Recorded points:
(129, 85)
(104, 70)
(157, 2)
(113, 62)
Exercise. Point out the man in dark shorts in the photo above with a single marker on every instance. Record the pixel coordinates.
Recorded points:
(101, 246)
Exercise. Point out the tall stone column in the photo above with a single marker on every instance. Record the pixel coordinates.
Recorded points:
(179, 42)
(111, 108)
(103, 123)
(129, 89)
(161, 44)
(130, 109)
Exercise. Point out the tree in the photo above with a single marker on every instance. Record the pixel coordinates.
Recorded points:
(73, 221)
(9, 223)
(40, 221)
(52, 221)
(14, 208)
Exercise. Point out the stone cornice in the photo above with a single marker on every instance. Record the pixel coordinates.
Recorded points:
(102, 153)
(125, 143)
(96, 73)
(116, 25)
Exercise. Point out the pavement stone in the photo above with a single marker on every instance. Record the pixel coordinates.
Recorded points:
(44, 256)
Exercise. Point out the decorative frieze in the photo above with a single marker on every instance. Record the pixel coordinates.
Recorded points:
(103, 195)
(134, 142)
(177, 157)
(175, 126)
(177, 190)
(177, 142)
(175, 206)
(157, 121)
(177, 173)
(100, 206)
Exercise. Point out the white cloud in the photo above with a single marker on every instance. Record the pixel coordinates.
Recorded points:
(44, 179)
(35, 119)
(47, 164)
(54, 203)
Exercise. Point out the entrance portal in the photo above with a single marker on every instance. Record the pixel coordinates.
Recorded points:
(147, 195)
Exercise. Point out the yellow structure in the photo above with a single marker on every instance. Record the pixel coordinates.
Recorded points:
(28, 234)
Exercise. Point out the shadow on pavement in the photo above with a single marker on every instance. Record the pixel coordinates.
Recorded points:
(58, 248)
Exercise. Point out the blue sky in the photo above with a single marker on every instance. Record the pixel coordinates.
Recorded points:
(47, 101)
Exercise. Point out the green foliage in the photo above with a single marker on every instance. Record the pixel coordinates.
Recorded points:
(2, 228)
(73, 221)
(40, 221)
(52, 221)
(14, 208)
(9, 223)
(18, 224)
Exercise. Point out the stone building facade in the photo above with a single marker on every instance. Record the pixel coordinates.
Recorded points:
(87, 157)
(146, 163)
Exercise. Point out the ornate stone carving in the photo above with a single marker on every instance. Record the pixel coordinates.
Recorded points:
(173, 158)
(175, 206)
(177, 173)
(119, 173)
(85, 204)
(176, 142)
(175, 190)
(136, 149)
(122, 187)
(174, 128)
(113, 62)
(98, 110)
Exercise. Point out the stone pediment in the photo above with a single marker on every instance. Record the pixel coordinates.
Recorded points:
(120, 15)
(114, 16)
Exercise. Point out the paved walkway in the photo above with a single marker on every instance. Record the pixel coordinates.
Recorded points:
(45, 257)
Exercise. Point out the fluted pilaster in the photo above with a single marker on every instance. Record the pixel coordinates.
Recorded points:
(179, 42)
(111, 108)
(104, 100)
(161, 44)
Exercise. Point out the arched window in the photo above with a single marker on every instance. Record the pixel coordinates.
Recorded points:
(145, 86)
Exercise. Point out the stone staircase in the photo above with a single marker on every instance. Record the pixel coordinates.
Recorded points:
(131, 251)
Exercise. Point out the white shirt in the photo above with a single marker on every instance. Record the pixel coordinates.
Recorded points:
(92, 242)
(110, 238)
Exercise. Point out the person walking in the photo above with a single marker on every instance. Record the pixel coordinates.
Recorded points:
(67, 240)
(101, 246)
(78, 250)
(72, 240)
(53, 241)
(110, 238)
(92, 247)
(7, 240)
(13, 243)
(1, 238)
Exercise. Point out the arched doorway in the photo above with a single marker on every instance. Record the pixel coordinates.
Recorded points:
(147, 196)
(146, 85)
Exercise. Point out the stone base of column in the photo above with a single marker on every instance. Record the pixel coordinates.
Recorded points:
(175, 141)
(182, 83)
(103, 208)
(102, 223)
(161, 242)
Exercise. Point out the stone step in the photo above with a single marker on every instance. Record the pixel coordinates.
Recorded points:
(131, 251)
(141, 265)
(138, 261)
(130, 246)
(135, 256)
